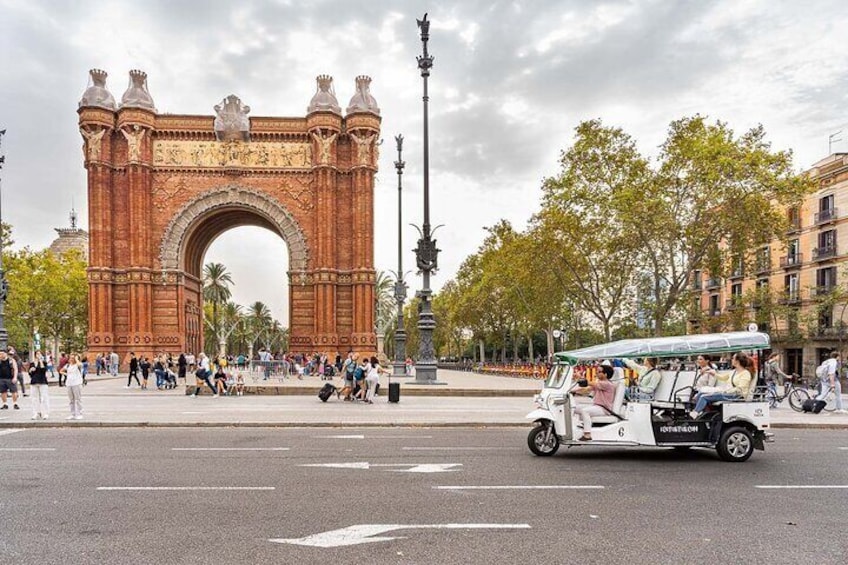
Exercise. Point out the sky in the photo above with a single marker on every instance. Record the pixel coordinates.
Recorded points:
(510, 82)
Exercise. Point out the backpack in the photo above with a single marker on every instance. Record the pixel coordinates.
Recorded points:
(358, 374)
(821, 371)
(349, 368)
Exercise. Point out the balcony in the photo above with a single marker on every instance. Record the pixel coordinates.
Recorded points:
(822, 253)
(821, 291)
(696, 285)
(762, 266)
(826, 216)
(713, 283)
(737, 273)
(791, 261)
(794, 225)
(714, 312)
(733, 303)
(791, 297)
(826, 332)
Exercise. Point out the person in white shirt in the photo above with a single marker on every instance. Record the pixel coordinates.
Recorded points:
(372, 379)
(73, 381)
(831, 381)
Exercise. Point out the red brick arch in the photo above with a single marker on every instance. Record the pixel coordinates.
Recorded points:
(162, 187)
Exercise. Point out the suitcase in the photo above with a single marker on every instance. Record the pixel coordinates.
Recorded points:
(326, 391)
(394, 392)
(813, 405)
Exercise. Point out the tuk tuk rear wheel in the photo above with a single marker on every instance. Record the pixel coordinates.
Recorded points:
(541, 445)
(736, 444)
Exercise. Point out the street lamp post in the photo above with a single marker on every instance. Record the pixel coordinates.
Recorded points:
(399, 366)
(4, 286)
(426, 254)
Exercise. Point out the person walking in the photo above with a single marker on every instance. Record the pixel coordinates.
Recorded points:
(144, 365)
(114, 360)
(831, 381)
(372, 380)
(63, 360)
(98, 363)
(20, 369)
(8, 380)
(38, 386)
(84, 362)
(73, 381)
(182, 363)
(133, 374)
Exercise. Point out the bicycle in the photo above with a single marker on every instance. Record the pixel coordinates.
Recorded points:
(796, 395)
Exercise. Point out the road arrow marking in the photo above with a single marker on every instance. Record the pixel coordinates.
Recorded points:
(8, 432)
(413, 467)
(370, 533)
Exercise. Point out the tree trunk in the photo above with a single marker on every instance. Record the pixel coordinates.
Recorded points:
(482, 351)
(549, 342)
(530, 347)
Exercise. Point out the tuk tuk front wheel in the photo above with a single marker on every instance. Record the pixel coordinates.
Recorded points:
(542, 440)
(736, 444)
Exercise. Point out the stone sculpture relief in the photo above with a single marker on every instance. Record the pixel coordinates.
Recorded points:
(232, 123)
(134, 138)
(325, 143)
(93, 143)
(211, 154)
(364, 144)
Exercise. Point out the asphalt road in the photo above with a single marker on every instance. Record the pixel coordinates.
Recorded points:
(63, 499)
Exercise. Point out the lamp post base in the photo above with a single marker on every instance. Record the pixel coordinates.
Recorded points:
(425, 374)
(399, 369)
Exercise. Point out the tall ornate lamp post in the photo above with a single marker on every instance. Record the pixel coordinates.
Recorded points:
(426, 254)
(399, 366)
(4, 287)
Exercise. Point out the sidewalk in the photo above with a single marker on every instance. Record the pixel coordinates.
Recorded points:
(467, 400)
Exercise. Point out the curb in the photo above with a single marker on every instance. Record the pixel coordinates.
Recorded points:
(93, 424)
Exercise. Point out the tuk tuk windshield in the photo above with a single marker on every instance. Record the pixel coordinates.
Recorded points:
(556, 378)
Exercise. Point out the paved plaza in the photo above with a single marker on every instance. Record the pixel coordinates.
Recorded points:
(468, 399)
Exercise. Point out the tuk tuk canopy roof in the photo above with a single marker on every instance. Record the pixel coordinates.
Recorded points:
(676, 346)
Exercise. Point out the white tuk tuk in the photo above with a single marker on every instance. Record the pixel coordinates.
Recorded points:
(733, 427)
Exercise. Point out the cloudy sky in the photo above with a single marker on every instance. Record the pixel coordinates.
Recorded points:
(511, 81)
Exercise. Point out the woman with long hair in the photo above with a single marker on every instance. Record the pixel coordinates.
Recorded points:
(38, 384)
(739, 384)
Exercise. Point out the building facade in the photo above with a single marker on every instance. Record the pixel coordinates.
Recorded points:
(793, 289)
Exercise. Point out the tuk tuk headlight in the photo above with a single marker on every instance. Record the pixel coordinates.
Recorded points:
(541, 401)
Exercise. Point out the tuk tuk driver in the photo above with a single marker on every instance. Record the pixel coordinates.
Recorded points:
(602, 402)
(648, 381)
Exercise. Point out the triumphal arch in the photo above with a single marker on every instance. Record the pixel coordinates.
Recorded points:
(162, 187)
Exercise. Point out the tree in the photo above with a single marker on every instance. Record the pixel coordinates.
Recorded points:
(259, 322)
(216, 291)
(48, 294)
(710, 186)
(385, 297)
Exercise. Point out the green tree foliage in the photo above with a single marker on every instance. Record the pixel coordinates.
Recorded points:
(216, 292)
(48, 294)
(384, 294)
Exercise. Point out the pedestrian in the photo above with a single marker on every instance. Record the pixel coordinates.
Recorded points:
(73, 381)
(98, 363)
(831, 381)
(202, 375)
(50, 365)
(8, 380)
(182, 363)
(773, 373)
(159, 371)
(63, 360)
(84, 361)
(144, 365)
(114, 360)
(372, 380)
(133, 374)
(20, 367)
(38, 385)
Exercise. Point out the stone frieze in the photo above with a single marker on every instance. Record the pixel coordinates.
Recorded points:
(214, 154)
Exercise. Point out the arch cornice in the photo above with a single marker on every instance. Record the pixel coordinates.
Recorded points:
(195, 211)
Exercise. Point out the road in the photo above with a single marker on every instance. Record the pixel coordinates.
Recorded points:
(72, 496)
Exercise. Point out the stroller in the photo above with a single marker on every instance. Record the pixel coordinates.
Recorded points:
(170, 379)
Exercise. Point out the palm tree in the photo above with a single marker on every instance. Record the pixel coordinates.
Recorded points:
(259, 321)
(384, 296)
(216, 290)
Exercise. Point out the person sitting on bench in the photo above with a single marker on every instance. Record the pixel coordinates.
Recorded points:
(602, 403)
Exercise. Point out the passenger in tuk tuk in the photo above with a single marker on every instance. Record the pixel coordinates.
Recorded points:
(706, 373)
(740, 382)
(602, 403)
(648, 379)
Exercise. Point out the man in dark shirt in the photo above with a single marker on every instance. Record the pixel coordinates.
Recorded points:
(8, 375)
(133, 370)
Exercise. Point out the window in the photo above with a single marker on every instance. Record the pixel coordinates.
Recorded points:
(714, 307)
(736, 290)
(696, 279)
(825, 319)
(827, 239)
(762, 284)
(826, 279)
(793, 248)
(826, 211)
(794, 217)
(791, 286)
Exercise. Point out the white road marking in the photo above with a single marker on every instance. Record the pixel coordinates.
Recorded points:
(27, 449)
(193, 412)
(230, 448)
(184, 488)
(844, 448)
(413, 467)
(453, 448)
(522, 487)
(801, 486)
(367, 533)
(362, 436)
(8, 432)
